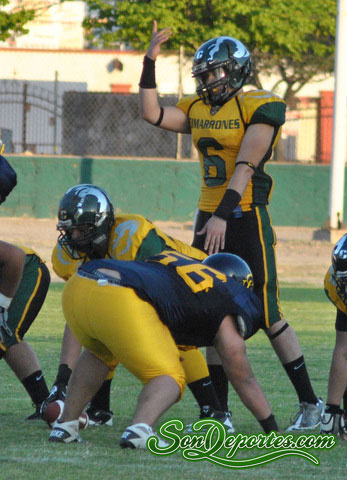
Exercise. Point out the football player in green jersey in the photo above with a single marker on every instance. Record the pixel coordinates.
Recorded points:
(335, 285)
(89, 229)
(234, 132)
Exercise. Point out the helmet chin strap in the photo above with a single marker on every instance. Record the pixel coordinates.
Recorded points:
(217, 106)
(233, 93)
(99, 249)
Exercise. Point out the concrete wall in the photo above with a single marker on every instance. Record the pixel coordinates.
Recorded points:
(160, 189)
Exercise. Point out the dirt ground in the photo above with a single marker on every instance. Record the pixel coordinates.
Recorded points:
(299, 258)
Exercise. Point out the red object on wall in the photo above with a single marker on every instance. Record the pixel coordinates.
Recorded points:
(121, 89)
(325, 136)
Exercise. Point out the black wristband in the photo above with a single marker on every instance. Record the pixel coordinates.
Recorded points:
(147, 79)
(229, 202)
(158, 122)
(269, 424)
(249, 164)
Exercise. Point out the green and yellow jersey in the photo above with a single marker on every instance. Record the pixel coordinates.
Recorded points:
(132, 237)
(28, 251)
(218, 139)
(330, 290)
(28, 298)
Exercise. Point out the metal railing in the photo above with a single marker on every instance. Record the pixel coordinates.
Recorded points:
(64, 118)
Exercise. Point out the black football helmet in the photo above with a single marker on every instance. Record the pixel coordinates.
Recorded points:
(228, 62)
(88, 208)
(339, 262)
(233, 266)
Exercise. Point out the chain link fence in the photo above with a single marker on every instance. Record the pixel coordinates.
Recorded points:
(63, 118)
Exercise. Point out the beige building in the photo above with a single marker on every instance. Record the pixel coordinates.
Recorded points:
(56, 25)
(100, 71)
(55, 43)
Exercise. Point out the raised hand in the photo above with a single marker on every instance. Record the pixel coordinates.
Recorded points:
(157, 39)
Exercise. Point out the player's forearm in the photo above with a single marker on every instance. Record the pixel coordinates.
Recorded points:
(234, 192)
(240, 179)
(240, 374)
(149, 104)
(253, 397)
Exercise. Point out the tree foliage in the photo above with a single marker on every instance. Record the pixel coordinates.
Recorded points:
(294, 38)
(12, 22)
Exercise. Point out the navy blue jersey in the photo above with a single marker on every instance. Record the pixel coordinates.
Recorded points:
(8, 178)
(190, 298)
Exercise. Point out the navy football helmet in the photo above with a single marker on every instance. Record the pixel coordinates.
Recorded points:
(88, 208)
(233, 266)
(221, 66)
(339, 262)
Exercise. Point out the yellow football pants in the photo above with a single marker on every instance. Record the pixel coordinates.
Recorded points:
(115, 325)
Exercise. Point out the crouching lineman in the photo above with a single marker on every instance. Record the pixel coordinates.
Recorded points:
(24, 281)
(89, 230)
(136, 313)
(335, 285)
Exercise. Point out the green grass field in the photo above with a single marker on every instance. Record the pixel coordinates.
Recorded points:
(26, 454)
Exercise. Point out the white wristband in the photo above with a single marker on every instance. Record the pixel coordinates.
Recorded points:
(5, 301)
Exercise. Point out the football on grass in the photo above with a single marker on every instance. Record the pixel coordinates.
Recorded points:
(84, 421)
(54, 410)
